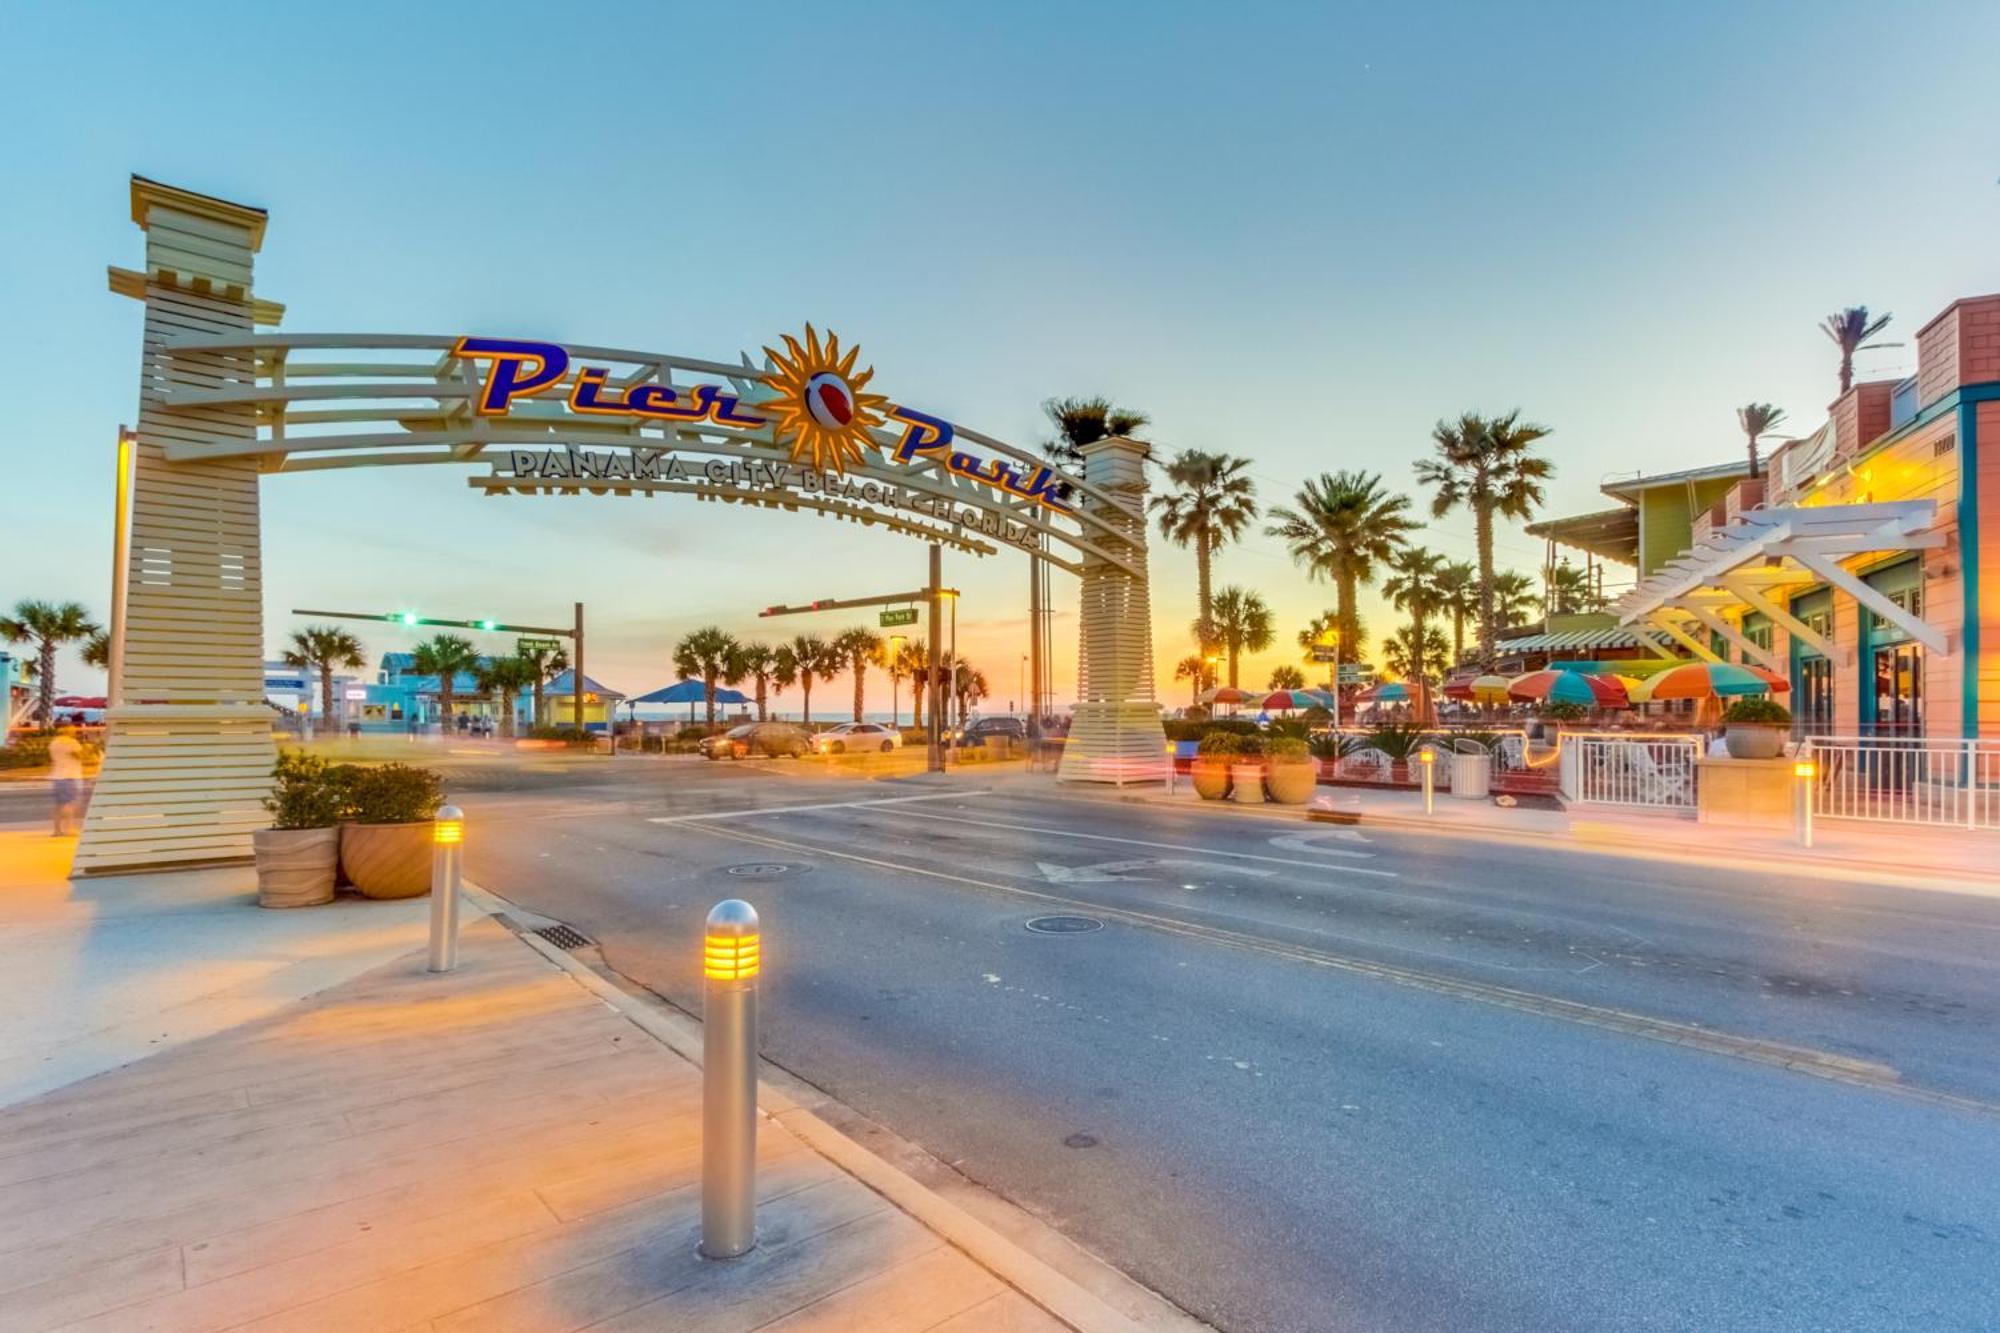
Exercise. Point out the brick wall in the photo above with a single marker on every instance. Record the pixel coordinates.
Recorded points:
(1960, 346)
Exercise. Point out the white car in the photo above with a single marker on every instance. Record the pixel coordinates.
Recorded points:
(859, 737)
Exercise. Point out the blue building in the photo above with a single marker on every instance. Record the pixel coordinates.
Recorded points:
(402, 697)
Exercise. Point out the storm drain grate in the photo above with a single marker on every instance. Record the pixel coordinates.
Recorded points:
(1064, 925)
(563, 937)
(758, 869)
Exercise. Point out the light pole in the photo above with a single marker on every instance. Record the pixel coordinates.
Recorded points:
(447, 852)
(731, 958)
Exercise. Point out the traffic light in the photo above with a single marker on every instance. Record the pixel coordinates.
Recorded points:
(489, 624)
(410, 618)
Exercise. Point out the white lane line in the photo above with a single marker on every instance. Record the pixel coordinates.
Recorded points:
(802, 809)
(1167, 846)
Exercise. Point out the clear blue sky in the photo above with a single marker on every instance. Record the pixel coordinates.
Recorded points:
(1300, 233)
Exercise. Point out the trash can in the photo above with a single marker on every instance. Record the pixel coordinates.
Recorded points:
(1471, 775)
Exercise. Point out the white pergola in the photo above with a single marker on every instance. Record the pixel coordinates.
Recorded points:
(1765, 553)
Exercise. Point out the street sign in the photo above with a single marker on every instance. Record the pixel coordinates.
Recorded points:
(523, 647)
(1356, 673)
(906, 616)
(1326, 654)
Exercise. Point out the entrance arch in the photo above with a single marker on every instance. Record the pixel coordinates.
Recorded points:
(224, 399)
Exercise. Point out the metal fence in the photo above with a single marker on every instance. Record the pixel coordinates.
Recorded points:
(1648, 772)
(1906, 780)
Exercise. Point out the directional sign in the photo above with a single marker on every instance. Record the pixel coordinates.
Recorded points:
(523, 647)
(906, 616)
(1326, 654)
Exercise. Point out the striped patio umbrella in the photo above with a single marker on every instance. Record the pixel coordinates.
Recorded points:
(1226, 694)
(1709, 680)
(1388, 692)
(1490, 689)
(1571, 687)
(1293, 699)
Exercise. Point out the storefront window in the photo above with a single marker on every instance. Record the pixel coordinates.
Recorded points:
(1896, 662)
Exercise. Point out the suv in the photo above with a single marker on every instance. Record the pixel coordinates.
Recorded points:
(978, 730)
(757, 738)
(857, 736)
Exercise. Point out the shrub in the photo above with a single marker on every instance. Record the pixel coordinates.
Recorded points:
(1220, 745)
(1398, 742)
(1252, 746)
(390, 794)
(1331, 746)
(1287, 747)
(567, 735)
(31, 749)
(1288, 726)
(1756, 708)
(303, 792)
(1564, 711)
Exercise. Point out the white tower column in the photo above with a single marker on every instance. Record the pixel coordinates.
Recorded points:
(1115, 733)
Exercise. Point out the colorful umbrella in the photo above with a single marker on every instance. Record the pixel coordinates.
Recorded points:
(1490, 689)
(1570, 687)
(1388, 692)
(1709, 680)
(1293, 699)
(1226, 694)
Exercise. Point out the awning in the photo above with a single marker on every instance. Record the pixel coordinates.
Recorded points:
(1767, 551)
(1568, 640)
(1611, 533)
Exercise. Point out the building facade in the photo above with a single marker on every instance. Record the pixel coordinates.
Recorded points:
(402, 699)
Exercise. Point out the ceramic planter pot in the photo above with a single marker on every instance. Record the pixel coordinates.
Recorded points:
(387, 860)
(295, 867)
(1291, 781)
(1247, 782)
(1754, 740)
(1211, 777)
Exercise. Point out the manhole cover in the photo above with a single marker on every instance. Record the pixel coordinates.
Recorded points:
(1080, 1141)
(1064, 925)
(563, 937)
(759, 869)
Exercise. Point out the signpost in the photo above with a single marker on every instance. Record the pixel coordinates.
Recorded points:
(525, 647)
(906, 616)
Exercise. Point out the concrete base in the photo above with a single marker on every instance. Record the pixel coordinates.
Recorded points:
(1745, 792)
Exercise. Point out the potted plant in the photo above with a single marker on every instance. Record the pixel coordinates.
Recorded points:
(1212, 757)
(1291, 774)
(385, 851)
(1756, 728)
(1246, 771)
(299, 855)
(1396, 743)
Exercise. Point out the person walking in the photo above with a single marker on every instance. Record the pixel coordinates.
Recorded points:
(66, 785)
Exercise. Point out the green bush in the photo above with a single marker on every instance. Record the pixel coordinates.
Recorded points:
(1564, 711)
(1252, 746)
(1398, 742)
(567, 735)
(304, 794)
(1288, 726)
(1756, 708)
(1328, 745)
(389, 793)
(1220, 744)
(31, 750)
(1287, 747)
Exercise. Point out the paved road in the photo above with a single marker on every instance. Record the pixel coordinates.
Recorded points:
(1306, 1078)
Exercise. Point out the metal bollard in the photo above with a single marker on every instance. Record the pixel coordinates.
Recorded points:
(447, 849)
(1427, 758)
(1805, 770)
(731, 957)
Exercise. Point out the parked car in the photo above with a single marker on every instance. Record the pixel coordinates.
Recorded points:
(979, 729)
(770, 739)
(860, 736)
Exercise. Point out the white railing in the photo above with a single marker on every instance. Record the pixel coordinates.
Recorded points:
(1918, 780)
(1648, 772)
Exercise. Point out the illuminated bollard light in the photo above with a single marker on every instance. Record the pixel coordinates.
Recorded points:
(447, 848)
(1805, 770)
(731, 957)
(1427, 759)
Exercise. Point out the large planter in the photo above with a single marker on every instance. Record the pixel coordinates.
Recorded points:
(1752, 740)
(1291, 781)
(1211, 777)
(295, 867)
(1247, 782)
(387, 860)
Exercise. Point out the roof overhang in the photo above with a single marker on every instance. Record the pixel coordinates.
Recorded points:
(1610, 533)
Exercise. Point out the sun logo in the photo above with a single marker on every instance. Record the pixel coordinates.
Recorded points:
(820, 409)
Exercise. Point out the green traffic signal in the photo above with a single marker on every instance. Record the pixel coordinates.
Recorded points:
(489, 624)
(409, 618)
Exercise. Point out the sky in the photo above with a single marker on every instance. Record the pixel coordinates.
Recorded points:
(1297, 233)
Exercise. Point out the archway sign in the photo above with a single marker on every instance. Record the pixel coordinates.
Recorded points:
(224, 399)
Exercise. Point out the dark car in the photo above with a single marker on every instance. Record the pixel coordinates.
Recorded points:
(978, 730)
(770, 739)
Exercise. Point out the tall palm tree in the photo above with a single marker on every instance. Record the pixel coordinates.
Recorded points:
(912, 663)
(1459, 584)
(1195, 671)
(856, 648)
(325, 649)
(1850, 330)
(446, 656)
(1340, 526)
(1513, 599)
(96, 651)
(1287, 677)
(1211, 505)
(756, 661)
(1757, 419)
(711, 654)
(1402, 654)
(50, 625)
(1242, 624)
(1412, 586)
(1081, 421)
(1485, 464)
(1570, 591)
(502, 679)
(807, 656)
(548, 663)
(968, 687)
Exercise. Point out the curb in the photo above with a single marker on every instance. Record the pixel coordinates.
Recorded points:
(790, 1101)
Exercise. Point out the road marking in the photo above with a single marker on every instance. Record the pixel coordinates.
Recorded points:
(1798, 1059)
(1173, 846)
(802, 809)
(1105, 872)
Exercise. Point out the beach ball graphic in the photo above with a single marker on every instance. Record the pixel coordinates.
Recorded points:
(829, 400)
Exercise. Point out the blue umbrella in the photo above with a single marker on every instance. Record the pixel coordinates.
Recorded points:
(690, 692)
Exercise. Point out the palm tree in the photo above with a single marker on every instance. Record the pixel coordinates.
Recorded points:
(1242, 624)
(1757, 419)
(856, 648)
(1287, 677)
(805, 657)
(1340, 526)
(502, 679)
(1195, 671)
(1412, 586)
(1570, 591)
(756, 661)
(1401, 656)
(1081, 421)
(446, 656)
(1850, 330)
(1513, 599)
(1459, 583)
(968, 687)
(325, 649)
(711, 654)
(912, 663)
(1211, 505)
(96, 650)
(1485, 464)
(548, 663)
(50, 625)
